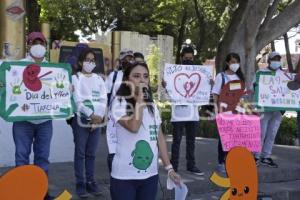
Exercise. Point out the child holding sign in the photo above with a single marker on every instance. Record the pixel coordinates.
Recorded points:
(232, 71)
(90, 98)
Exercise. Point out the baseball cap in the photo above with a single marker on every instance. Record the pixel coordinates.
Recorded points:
(35, 35)
(124, 53)
(273, 54)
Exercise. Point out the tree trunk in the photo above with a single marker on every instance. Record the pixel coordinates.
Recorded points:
(33, 10)
(181, 34)
(298, 66)
(252, 27)
(201, 26)
(273, 46)
(288, 53)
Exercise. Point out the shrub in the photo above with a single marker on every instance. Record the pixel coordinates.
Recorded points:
(287, 132)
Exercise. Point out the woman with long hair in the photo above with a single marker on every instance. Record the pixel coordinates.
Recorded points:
(231, 71)
(135, 165)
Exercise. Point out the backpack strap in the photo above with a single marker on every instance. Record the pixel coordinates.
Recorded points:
(223, 79)
(112, 87)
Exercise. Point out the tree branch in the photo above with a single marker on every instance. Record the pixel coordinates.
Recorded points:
(270, 13)
(238, 19)
(257, 13)
(279, 25)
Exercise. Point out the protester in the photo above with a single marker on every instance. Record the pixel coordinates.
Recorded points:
(37, 132)
(270, 121)
(231, 71)
(138, 57)
(90, 98)
(113, 83)
(185, 117)
(135, 165)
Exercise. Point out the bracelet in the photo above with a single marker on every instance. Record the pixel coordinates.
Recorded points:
(168, 167)
(169, 171)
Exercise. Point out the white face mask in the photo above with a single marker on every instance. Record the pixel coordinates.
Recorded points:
(275, 64)
(234, 67)
(88, 66)
(38, 51)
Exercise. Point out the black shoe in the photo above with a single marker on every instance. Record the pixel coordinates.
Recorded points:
(81, 190)
(93, 188)
(196, 171)
(268, 162)
(48, 197)
(257, 161)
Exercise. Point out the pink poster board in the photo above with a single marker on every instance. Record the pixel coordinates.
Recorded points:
(239, 130)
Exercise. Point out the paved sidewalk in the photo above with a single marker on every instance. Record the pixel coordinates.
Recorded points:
(282, 183)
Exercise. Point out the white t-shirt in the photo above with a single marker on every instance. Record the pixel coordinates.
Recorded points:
(89, 94)
(110, 129)
(218, 82)
(136, 153)
(185, 113)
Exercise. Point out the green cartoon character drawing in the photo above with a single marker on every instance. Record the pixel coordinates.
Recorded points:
(142, 155)
(88, 103)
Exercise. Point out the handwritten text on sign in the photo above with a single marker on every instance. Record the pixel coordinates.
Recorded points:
(188, 83)
(239, 130)
(36, 91)
(273, 92)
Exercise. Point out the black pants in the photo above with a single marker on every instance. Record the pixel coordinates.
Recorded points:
(110, 158)
(221, 154)
(191, 128)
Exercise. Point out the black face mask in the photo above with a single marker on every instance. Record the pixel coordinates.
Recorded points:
(187, 62)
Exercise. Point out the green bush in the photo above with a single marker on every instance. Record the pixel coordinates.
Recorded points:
(287, 132)
(208, 129)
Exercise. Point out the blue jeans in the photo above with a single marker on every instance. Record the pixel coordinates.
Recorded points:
(86, 143)
(144, 189)
(25, 135)
(269, 125)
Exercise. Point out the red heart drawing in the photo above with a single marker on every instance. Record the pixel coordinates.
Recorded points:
(186, 85)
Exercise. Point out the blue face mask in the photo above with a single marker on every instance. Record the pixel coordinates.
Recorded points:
(275, 64)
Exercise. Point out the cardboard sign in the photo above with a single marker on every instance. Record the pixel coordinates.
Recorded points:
(35, 91)
(230, 95)
(188, 84)
(239, 130)
(274, 91)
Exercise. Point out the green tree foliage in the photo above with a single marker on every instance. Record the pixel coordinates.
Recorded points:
(177, 18)
(153, 61)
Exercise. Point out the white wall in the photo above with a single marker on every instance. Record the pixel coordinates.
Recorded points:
(62, 146)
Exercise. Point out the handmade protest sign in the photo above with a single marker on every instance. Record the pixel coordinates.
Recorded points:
(239, 130)
(188, 83)
(33, 91)
(277, 91)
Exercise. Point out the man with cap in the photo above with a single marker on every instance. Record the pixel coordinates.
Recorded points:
(37, 132)
(113, 83)
(270, 121)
